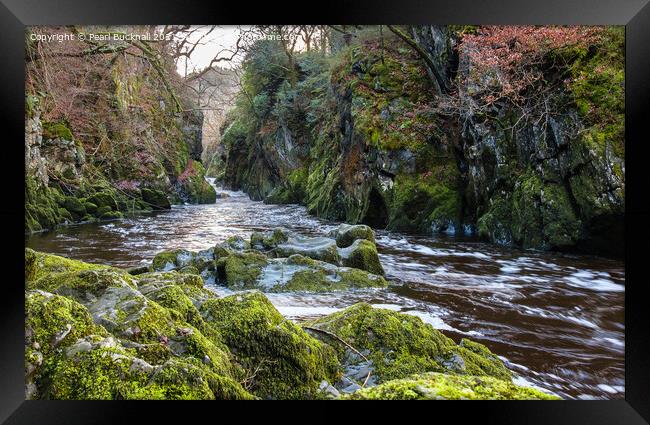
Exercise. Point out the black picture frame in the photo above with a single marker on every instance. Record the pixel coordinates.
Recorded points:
(635, 14)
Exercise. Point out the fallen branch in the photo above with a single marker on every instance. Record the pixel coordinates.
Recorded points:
(335, 336)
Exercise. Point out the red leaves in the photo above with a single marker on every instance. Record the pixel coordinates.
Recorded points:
(503, 59)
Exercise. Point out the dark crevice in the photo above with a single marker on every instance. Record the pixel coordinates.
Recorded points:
(376, 213)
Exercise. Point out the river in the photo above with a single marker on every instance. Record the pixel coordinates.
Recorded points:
(557, 320)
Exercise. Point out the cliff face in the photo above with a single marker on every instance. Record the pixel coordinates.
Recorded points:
(106, 134)
(366, 136)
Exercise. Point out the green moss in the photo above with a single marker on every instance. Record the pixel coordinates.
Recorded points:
(240, 270)
(111, 372)
(354, 278)
(184, 380)
(156, 199)
(168, 260)
(111, 215)
(194, 185)
(292, 190)
(103, 373)
(173, 297)
(81, 282)
(438, 386)
(42, 206)
(346, 234)
(399, 345)
(38, 264)
(90, 207)
(75, 206)
(310, 280)
(280, 359)
(237, 243)
(54, 130)
(268, 240)
(105, 201)
(426, 202)
(53, 321)
(598, 88)
(362, 254)
(494, 225)
(542, 214)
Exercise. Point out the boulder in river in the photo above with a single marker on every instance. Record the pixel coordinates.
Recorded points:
(286, 361)
(346, 234)
(179, 259)
(391, 345)
(362, 254)
(269, 240)
(318, 248)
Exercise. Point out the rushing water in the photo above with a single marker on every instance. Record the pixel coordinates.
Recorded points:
(556, 320)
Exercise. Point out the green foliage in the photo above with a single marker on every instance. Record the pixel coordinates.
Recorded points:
(598, 87)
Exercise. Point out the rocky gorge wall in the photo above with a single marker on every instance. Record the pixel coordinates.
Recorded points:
(366, 136)
(106, 137)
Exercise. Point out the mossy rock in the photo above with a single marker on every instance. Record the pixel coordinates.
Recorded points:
(281, 360)
(103, 199)
(318, 248)
(191, 285)
(397, 345)
(173, 297)
(111, 215)
(75, 206)
(115, 303)
(240, 270)
(157, 309)
(183, 259)
(38, 264)
(170, 260)
(156, 199)
(100, 211)
(299, 273)
(66, 215)
(43, 206)
(90, 207)
(346, 234)
(236, 242)
(268, 240)
(52, 322)
(56, 130)
(362, 254)
(102, 369)
(438, 386)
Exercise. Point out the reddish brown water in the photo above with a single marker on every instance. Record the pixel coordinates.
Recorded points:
(557, 320)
